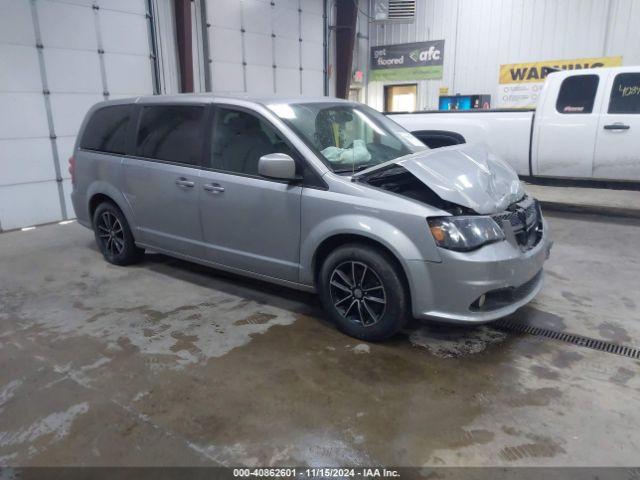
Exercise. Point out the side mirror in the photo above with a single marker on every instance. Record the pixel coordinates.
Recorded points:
(277, 165)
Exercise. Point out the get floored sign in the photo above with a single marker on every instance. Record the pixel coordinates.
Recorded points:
(521, 83)
(407, 61)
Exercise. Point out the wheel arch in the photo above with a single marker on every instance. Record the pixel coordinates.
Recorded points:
(103, 192)
(439, 138)
(332, 242)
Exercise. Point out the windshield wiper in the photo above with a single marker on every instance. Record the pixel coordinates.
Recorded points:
(351, 170)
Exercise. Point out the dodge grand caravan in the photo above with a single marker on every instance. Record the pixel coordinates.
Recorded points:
(317, 194)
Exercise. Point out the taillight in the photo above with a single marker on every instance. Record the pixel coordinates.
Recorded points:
(72, 169)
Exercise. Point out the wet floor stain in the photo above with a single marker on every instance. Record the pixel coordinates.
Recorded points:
(614, 332)
(530, 450)
(623, 375)
(536, 317)
(544, 372)
(452, 342)
(258, 318)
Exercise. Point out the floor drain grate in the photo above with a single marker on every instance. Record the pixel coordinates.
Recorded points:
(572, 338)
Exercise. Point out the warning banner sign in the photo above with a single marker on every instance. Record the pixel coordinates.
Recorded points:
(535, 72)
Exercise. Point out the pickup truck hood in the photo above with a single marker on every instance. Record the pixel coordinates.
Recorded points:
(467, 175)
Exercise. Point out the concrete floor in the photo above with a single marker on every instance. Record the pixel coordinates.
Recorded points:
(167, 363)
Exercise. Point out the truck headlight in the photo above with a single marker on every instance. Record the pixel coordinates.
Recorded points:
(464, 233)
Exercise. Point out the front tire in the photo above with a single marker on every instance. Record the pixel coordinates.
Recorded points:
(363, 291)
(114, 237)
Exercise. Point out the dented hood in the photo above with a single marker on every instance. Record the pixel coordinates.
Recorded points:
(467, 175)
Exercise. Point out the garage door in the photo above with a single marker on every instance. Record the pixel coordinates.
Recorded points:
(57, 58)
(266, 47)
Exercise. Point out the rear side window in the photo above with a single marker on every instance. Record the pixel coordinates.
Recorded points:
(106, 130)
(625, 94)
(173, 133)
(577, 94)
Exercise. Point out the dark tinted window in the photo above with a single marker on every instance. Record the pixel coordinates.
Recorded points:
(240, 139)
(171, 132)
(577, 94)
(625, 94)
(106, 130)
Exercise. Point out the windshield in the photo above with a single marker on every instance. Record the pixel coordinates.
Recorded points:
(348, 137)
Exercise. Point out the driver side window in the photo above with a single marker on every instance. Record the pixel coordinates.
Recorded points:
(239, 139)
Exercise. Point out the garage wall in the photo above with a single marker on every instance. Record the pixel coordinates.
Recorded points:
(481, 35)
(57, 58)
(266, 47)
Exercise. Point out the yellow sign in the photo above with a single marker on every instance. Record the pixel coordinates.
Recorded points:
(535, 72)
(444, 90)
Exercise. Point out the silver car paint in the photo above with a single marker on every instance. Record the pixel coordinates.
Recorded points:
(272, 230)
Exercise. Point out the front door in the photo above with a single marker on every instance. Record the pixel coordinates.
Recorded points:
(567, 130)
(249, 222)
(161, 181)
(618, 140)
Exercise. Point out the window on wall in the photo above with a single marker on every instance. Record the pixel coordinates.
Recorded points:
(240, 139)
(400, 98)
(172, 133)
(577, 94)
(625, 94)
(106, 130)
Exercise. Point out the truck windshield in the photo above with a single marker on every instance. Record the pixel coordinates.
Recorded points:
(349, 137)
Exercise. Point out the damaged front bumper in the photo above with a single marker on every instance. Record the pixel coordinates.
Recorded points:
(479, 286)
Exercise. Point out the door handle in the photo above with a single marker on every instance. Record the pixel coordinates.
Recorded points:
(184, 183)
(214, 188)
(617, 126)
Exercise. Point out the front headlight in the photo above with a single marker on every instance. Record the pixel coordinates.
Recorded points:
(464, 233)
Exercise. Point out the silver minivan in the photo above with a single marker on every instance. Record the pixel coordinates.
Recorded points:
(316, 194)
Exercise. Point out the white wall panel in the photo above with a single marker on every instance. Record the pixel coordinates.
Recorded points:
(65, 79)
(128, 74)
(227, 77)
(25, 160)
(288, 81)
(65, 25)
(72, 70)
(248, 37)
(19, 69)
(22, 115)
(124, 33)
(29, 204)
(481, 35)
(16, 25)
(259, 79)
(130, 6)
(69, 109)
(287, 53)
(257, 16)
(312, 82)
(226, 45)
(259, 49)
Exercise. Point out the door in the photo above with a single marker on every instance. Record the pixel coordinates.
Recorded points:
(618, 141)
(566, 131)
(400, 98)
(161, 180)
(248, 222)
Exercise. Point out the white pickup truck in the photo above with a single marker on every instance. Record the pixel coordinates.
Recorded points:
(586, 126)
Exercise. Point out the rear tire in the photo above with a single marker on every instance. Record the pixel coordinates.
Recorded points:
(114, 237)
(363, 291)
